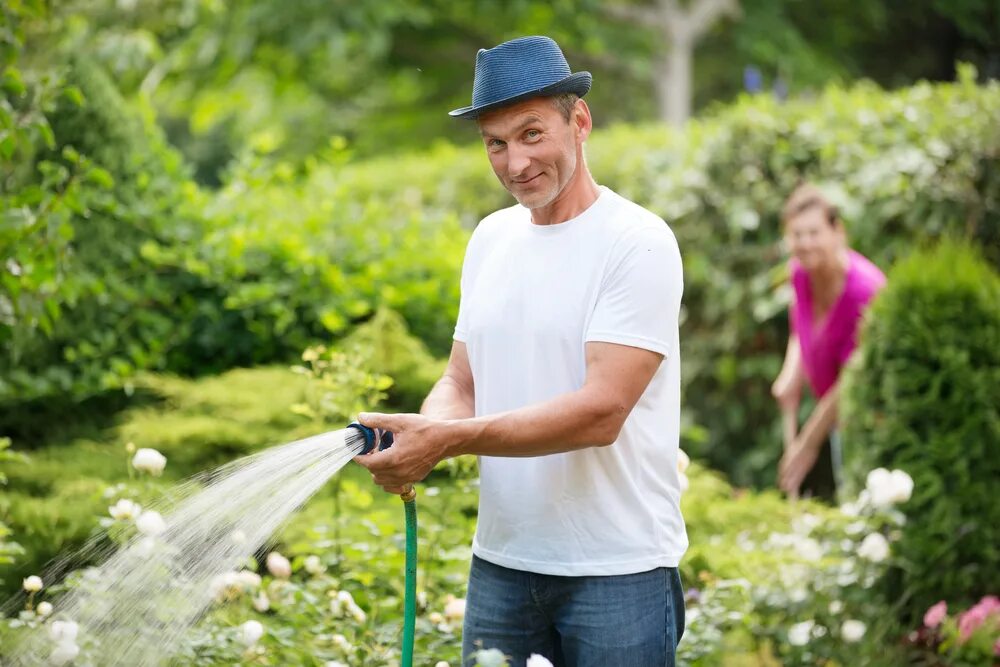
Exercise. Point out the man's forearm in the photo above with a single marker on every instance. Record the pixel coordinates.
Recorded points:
(448, 399)
(572, 421)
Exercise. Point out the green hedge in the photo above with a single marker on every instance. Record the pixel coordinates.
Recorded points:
(110, 312)
(923, 395)
(303, 258)
(284, 259)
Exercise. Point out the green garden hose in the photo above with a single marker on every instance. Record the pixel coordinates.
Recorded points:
(361, 440)
(410, 594)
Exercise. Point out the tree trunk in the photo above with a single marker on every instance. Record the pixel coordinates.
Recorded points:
(673, 81)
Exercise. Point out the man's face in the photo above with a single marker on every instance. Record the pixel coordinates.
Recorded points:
(533, 149)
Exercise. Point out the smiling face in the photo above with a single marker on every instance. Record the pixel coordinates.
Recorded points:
(534, 150)
(812, 239)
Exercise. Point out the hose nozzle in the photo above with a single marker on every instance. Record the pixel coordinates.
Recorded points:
(372, 437)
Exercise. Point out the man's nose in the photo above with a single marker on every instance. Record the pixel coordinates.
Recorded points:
(518, 161)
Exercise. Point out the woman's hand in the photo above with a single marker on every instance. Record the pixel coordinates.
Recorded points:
(796, 463)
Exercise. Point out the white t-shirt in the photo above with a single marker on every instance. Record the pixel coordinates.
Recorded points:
(532, 296)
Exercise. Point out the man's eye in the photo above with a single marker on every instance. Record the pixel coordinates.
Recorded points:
(494, 144)
(532, 134)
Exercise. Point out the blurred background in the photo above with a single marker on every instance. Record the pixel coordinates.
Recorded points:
(195, 193)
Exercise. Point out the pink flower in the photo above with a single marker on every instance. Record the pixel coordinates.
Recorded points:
(936, 614)
(970, 621)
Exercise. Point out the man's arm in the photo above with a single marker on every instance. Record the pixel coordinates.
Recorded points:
(590, 416)
(454, 395)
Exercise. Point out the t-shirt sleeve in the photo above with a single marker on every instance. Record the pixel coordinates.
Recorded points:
(639, 301)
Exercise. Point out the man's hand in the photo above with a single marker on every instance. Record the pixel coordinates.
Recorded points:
(796, 463)
(418, 444)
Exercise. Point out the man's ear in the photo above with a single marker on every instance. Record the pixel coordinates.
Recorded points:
(582, 121)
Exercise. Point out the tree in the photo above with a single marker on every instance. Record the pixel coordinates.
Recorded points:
(681, 28)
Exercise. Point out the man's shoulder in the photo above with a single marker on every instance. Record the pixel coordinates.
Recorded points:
(633, 223)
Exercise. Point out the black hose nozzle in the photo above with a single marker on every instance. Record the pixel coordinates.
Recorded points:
(372, 438)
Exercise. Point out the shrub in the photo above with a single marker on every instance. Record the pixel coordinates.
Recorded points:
(923, 394)
(303, 259)
(53, 501)
(109, 311)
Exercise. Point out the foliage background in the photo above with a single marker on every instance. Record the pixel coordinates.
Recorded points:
(194, 192)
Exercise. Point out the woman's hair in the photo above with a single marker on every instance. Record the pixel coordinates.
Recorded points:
(805, 197)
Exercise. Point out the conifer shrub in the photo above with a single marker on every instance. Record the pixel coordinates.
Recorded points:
(923, 394)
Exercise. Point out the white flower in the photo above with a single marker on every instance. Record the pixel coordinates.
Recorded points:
(150, 524)
(250, 633)
(230, 585)
(340, 641)
(850, 509)
(63, 632)
(278, 565)
(536, 660)
(149, 460)
(888, 488)
(358, 614)
(836, 607)
(902, 484)
(32, 584)
(852, 630)
(441, 663)
(800, 633)
(493, 657)
(124, 510)
(808, 549)
(63, 653)
(247, 579)
(261, 602)
(436, 617)
(334, 663)
(805, 523)
(683, 461)
(874, 548)
(313, 565)
(343, 602)
(454, 609)
(43, 608)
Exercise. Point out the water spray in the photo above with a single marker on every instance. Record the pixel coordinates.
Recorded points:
(366, 439)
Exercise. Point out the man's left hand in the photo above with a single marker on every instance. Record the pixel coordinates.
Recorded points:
(418, 445)
(796, 463)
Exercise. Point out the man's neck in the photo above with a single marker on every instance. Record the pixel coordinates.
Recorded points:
(578, 195)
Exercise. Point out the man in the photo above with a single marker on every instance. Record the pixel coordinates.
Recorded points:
(564, 379)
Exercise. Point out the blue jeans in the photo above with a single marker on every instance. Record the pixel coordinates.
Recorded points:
(629, 620)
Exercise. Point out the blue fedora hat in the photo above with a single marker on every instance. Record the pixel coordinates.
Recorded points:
(519, 69)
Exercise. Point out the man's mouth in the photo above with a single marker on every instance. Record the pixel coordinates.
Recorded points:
(526, 180)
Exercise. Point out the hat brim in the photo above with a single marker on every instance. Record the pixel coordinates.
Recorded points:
(578, 82)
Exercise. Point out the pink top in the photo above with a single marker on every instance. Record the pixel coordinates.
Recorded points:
(827, 344)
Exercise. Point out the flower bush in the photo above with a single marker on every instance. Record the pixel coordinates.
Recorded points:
(794, 582)
(966, 639)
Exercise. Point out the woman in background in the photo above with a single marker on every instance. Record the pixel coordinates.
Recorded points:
(832, 285)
